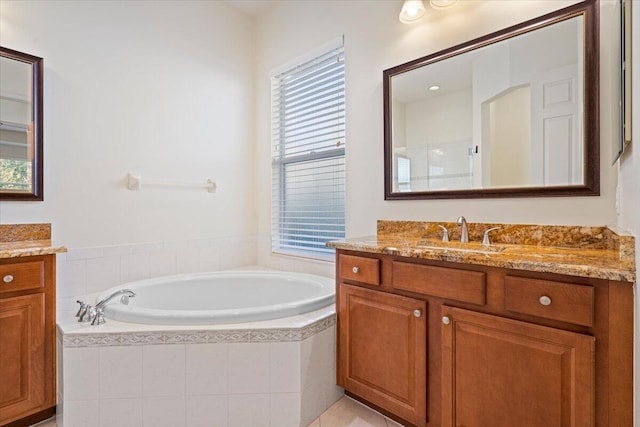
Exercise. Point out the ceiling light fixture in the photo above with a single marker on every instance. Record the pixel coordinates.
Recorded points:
(441, 4)
(434, 88)
(412, 10)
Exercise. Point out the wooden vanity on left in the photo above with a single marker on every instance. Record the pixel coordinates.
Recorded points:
(27, 324)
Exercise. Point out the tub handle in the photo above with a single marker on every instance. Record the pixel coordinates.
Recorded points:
(88, 314)
(83, 307)
(98, 318)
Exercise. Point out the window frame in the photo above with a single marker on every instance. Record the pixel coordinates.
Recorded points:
(280, 161)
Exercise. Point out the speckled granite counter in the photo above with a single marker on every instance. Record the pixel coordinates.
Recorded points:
(20, 240)
(597, 252)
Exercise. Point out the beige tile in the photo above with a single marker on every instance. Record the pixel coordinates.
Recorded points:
(391, 423)
(349, 413)
(47, 423)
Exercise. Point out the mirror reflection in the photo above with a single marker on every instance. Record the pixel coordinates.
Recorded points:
(504, 115)
(16, 125)
(20, 126)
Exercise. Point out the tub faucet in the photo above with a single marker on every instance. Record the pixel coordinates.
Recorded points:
(464, 234)
(126, 294)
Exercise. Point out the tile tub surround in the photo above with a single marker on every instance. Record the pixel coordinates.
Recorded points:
(597, 252)
(18, 240)
(273, 373)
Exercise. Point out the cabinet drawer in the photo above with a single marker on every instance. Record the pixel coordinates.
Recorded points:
(19, 276)
(567, 302)
(360, 269)
(449, 283)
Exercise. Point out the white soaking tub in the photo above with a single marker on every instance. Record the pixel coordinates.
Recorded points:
(220, 297)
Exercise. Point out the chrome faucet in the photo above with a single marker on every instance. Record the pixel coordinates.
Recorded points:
(464, 234)
(95, 315)
(126, 294)
(90, 314)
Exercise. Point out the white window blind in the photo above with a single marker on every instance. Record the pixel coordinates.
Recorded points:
(308, 168)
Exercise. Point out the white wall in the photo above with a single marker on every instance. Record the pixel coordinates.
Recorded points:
(164, 88)
(629, 177)
(376, 40)
(439, 119)
(510, 141)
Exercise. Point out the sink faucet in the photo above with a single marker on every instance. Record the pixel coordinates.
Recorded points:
(464, 235)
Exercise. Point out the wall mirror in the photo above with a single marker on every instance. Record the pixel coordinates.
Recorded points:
(510, 114)
(20, 126)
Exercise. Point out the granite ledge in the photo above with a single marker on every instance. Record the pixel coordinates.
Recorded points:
(29, 248)
(22, 240)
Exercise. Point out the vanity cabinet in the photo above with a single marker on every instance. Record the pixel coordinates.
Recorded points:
(384, 339)
(491, 347)
(27, 340)
(500, 372)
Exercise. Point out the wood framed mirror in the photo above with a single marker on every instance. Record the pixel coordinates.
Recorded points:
(21, 170)
(511, 114)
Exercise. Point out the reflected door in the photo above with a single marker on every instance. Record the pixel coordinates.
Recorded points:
(557, 152)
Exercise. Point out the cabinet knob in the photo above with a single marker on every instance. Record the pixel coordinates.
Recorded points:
(356, 270)
(417, 313)
(446, 320)
(545, 300)
(7, 279)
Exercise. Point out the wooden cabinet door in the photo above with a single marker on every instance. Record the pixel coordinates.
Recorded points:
(499, 372)
(382, 350)
(22, 356)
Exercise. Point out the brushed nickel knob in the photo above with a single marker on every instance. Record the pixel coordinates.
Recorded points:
(417, 313)
(7, 279)
(446, 320)
(356, 270)
(545, 300)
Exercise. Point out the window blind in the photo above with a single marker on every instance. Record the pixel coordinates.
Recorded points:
(308, 161)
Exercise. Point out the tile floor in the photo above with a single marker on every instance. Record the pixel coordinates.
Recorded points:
(345, 412)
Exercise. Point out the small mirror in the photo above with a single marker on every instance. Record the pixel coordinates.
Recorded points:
(511, 114)
(20, 126)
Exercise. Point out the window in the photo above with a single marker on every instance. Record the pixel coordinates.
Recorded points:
(15, 175)
(308, 163)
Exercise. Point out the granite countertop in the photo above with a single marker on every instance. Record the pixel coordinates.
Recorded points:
(597, 252)
(20, 240)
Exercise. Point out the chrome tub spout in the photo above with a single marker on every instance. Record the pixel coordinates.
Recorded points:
(126, 294)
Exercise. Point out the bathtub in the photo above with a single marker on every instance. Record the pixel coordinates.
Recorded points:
(225, 368)
(220, 297)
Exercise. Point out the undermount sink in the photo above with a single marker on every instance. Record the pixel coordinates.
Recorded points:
(460, 247)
